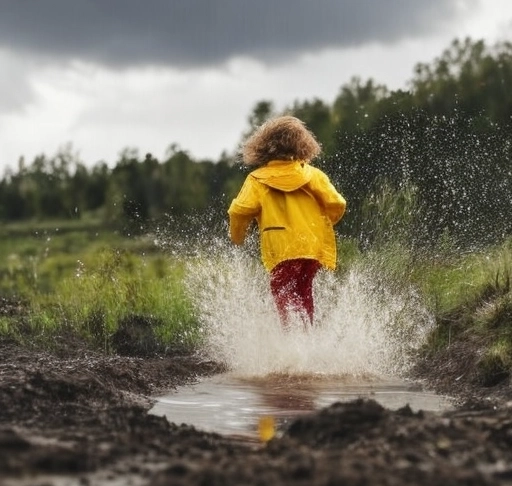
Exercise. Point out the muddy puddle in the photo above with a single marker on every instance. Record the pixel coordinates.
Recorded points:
(233, 405)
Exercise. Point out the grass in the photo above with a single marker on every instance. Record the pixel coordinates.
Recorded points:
(114, 286)
(120, 293)
(90, 282)
(471, 297)
(468, 293)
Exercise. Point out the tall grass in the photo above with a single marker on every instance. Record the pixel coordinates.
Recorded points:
(115, 285)
(96, 286)
(469, 293)
(110, 290)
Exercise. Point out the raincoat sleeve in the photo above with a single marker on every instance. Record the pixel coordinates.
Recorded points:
(243, 209)
(332, 201)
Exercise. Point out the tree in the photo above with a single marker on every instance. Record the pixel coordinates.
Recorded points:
(356, 106)
(127, 204)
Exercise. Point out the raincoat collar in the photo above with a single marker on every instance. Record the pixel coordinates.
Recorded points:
(284, 175)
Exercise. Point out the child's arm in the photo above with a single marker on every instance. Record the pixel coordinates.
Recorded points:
(335, 207)
(238, 225)
(332, 201)
(242, 211)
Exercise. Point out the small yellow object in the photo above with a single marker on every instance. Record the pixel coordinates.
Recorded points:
(266, 428)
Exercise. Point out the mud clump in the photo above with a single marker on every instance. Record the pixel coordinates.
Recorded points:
(10, 307)
(81, 417)
(338, 425)
(135, 336)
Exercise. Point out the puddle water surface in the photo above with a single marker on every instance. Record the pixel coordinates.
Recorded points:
(364, 329)
(233, 405)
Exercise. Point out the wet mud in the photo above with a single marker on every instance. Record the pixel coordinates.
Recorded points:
(76, 416)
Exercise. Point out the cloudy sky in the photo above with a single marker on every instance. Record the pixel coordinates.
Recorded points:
(105, 75)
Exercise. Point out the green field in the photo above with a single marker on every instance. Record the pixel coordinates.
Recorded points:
(128, 294)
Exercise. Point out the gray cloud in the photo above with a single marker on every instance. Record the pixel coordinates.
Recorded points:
(201, 32)
(15, 86)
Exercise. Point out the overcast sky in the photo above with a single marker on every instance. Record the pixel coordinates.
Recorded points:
(105, 75)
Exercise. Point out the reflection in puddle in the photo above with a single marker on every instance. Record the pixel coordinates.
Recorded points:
(228, 404)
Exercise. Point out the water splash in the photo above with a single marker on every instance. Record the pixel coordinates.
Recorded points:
(363, 327)
(457, 164)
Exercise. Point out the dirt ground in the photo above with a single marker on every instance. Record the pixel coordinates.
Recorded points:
(75, 416)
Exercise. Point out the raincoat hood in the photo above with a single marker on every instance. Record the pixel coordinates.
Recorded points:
(284, 175)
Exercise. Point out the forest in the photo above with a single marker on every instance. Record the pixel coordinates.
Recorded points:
(429, 161)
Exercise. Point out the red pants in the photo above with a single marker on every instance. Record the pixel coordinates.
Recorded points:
(291, 284)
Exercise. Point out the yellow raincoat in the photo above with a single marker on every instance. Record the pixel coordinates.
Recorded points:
(295, 206)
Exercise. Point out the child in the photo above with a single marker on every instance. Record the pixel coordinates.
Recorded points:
(295, 207)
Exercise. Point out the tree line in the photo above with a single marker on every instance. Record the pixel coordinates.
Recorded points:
(443, 147)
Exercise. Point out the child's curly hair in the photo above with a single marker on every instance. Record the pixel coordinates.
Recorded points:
(280, 138)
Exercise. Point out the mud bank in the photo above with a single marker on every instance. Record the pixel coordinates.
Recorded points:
(76, 416)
